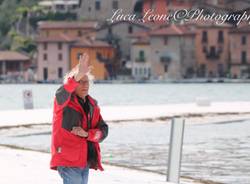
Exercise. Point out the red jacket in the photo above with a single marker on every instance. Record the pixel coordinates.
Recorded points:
(68, 149)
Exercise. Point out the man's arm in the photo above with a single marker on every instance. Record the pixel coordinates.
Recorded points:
(64, 92)
(94, 135)
(99, 133)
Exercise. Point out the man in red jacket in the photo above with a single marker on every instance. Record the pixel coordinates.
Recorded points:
(78, 127)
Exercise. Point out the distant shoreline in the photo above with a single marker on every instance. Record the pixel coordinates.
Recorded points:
(133, 81)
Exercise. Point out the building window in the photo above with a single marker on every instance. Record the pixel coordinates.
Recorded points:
(78, 55)
(74, 7)
(140, 71)
(45, 73)
(59, 46)
(203, 70)
(204, 37)
(243, 57)
(167, 2)
(60, 7)
(45, 46)
(135, 71)
(152, 4)
(145, 71)
(79, 33)
(220, 70)
(138, 8)
(115, 5)
(60, 72)
(98, 5)
(60, 56)
(45, 57)
(165, 68)
(130, 29)
(100, 57)
(141, 55)
(13, 66)
(204, 49)
(211, 74)
(235, 76)
(165, 40)
(244, 40)
(47, 33)
(220, 37)
(212, 51)
(110, 30)
(89, 9)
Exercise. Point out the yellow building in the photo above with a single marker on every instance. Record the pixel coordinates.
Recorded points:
(60, 43)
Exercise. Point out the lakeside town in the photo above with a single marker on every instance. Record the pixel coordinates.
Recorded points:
(47, 37)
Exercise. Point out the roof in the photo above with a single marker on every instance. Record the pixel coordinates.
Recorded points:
(142, 25)
(141, 41)
(77, 41)
(217, 7)
(13, 56)
(172, 30)
(87, 42)
(59, 38)
(139, 34)
(67, 25)
(243, 29)
(142, 38)
(208, 24)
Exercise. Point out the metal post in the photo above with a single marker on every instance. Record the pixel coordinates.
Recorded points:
(175, 149)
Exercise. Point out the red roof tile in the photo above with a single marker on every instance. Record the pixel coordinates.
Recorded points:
(78, 41)
(142, 25)
(172, 30)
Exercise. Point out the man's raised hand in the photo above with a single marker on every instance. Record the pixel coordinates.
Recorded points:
(82, 67)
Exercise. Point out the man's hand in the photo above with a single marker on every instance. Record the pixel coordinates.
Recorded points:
(82, 67)
(79, 131)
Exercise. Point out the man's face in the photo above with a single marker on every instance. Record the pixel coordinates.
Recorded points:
(83, 89)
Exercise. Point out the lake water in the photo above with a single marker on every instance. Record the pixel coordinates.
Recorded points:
(219, 152)
(128, 94)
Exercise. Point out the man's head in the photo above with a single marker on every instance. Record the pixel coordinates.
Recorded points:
(83, 88)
